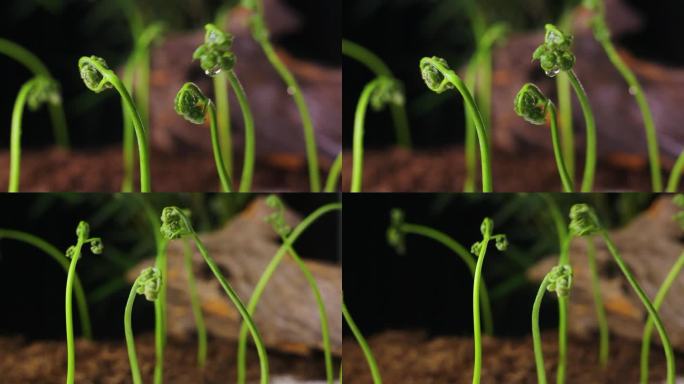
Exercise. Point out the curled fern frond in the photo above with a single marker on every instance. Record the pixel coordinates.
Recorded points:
(44, 90)
(560, 280)
(175, 223)
(277, 217)
(215, 54)
(531, 104)
(433, 70)
(92, 71)
(395, 233)
(583, 220)
(486, 229)
(554, 54)
(96, 246)
(387, 92)
(191, 103)
(149, 283)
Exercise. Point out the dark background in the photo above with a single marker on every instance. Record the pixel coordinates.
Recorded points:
(401, 32)
(32, 284)
(430, 288)
(59, 32)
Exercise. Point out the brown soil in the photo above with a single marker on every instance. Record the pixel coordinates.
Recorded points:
(55, 170)
(107, 362)
(438, 170)
(410, 357)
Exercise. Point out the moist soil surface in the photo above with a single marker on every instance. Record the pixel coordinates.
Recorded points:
(411, 357)
(44, 362)
(437, 170)
(101, 170)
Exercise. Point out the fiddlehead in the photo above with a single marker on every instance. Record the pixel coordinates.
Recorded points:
(175, 223)
(191, 103)
(531, 104)
(554, 53)
(501, 242)
(387, 91)
(149, 283)
(395, 233)
(277, 217)
(560, 280)
(93, 71)
(433, 72)
(215, 54)
(43, 91)
(583, 220)
(678, 200)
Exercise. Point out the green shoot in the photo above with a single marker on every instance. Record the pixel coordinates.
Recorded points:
(375, 372)
(193, 106)
(439, 78)
(215, 57)
(176, 225)
(261, 35)
(558, 280)
(563, 93)
(584, 222)
(196, 306)
(480, 250)
(35, 92)
(379, 68)
(396, 233)
(287, 246)
(675, 174)
(74, 253)
(98, 77)
(148, 283)
(604, 333)
(531, 104)
(554, 56)
(378, 93)
(221, 87)
(33, 64)
(334, 174)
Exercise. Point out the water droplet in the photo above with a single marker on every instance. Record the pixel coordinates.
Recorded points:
(553, 72)
(632, 91)
(213, 71)
(291, 91)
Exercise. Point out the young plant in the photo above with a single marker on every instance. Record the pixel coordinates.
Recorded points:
(584, 222)
(558, 280)
(148, 283)
(333, 174)
(439, 78)
(98, 77)
(216, 57)
(367, 353)
(74, 253)
(176, 225)
(33, 64)
(35, 92)
(396, 234)
(564, 95)
(288, 237)
(380, 69)
(221, 87)
(196, 306)
(379, 92)
(531, 104)
(260, 34)
(480, 250)
(193, 106)
(554, 56)
(602, 35)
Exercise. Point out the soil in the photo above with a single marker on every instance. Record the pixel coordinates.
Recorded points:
(44, 362)
(441, 170)
(410, 357)
(56, 170)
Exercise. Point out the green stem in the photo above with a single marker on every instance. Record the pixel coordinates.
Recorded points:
(226, 182)
(15, 136)
(307, 124)
(653, 314)
(675, 174)
(248, 162)
(536, 333)
(357, 150)
(590, 159)
(557, 152)
(128, 140)
(484, 84)
(71, 349)
(334, 174)
(196, 307)
(465, 256)
(246, 317)
(58, 256)
(266, 277)
(130, 340)
(564, 259)
(657, 302)
(142, 89)
(470, 134)
(604, 334)
(477, 366)
(223, 115)
(565, 123)
(379, 68)
(33, 64)
(372, 365)
(649, 125)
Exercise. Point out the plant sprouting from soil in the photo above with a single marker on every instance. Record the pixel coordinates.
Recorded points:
(98, 77)
(479, 249)
(369, 59)
(378, 93)
(396, 234)
(74, 253)
(148, 283)
(585, 222)
(35, 92)
(176, 225)
(288, 236)
(554, 56)
(531, 104)
(439, 78)
(367, 353)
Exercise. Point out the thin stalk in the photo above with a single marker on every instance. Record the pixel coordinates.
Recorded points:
(465, 256)
(484, 84)
(590, 157)
(675, 174)
(536, 333)
(196, 307)
(160, 314)
(15, 136)
(564, 259)
(372, 365)
(71, 349)
(604, 334)
(357, 151)
(557, 152)
(657, 302)
(334, 174)
(226, 182)
(470, 134)
(58, 256)
(477, 366)
(653, 314)
(142, 87)
(223, 114)
(265, 278)
(565, 122)
(248, 162)
(128, 140)
(130, 340)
